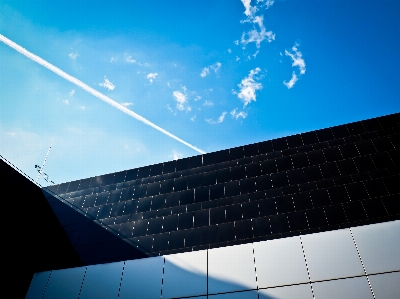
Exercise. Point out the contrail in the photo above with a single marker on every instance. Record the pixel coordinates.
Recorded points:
(91, 90)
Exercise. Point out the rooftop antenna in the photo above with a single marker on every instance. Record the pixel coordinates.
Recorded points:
(40, 169)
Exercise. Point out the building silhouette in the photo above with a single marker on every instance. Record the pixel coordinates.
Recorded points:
(313, 215)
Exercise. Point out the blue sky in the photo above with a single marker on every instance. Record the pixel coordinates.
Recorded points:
(216, 74)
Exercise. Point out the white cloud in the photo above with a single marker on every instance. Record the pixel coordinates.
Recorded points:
(237, 58)
(218, 121)
(73, 55)
(112, 59)
(193, 118)
(176, 155)
(292, 81)
(126, 147)
(215, 67)
(249, 10)
(152, 77)
(82, 107)
(197, 98)
(66, 102)
(229, 51)
(169, 85)
(130, 60)
(236, 42)
(208, 103)
(254, 36)
(181, 100)
(107, 84)
(12, 134)
(248, 87)
(72, 92)
(126, 104)
(297, 58)
(236, 114)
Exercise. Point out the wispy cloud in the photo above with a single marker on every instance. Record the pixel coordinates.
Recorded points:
(208, 103)
(181, 100)
(236, 114)
(218, 121)
(299, 62)
(112, 59)
(152, 77)
(73, 55)
(66, 102)
(292, 81)
(107, 84)
(215, 67)
(176, 155)
(72, 92)
(249, 86)
(297, 58)
(82, 107)
(91, 90)
(127, 104)
(129, 59)
(257, 35)
(193, 118)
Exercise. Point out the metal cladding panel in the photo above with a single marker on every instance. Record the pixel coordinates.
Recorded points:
(355, 288)
(38, 285)
(142, 278)
(379, 246)
(102, 281)
(188, 267)
(331, 255)
(386, 286)
(231, 269)
(288, 292)
(280, 262)
(67, 280)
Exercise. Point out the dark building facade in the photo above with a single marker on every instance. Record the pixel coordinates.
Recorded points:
(316, 181)
(334, 185)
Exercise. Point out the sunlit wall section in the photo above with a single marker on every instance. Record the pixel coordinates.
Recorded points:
(355, 262)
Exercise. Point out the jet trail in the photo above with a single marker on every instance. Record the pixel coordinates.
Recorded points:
(91, 90)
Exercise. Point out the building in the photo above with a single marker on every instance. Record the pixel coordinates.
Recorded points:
(313, 215)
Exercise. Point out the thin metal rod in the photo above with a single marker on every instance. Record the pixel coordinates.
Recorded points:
(44, 162)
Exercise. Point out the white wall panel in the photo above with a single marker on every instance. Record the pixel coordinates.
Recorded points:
(289, 292)
(379, 246)
(185, 274)
(331, 255)
(280, 262)
(102, 281)
(386, 286)
(238, 295)
(350, 288)
(38, 284)
(142, 278)
(65, 284)
(231, 269)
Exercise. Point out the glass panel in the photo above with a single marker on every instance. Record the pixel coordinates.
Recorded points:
(201, 218)
(243, 229)
(366, 147)
(153, 189)
(232, 188)
(316, 157)
(217, 215)
(279, 224)
(236, 153)
(170, 223)
(192, 237)
(185, 221)
(102, 281)
(176, 239)
(331, 255)
(279, 180)
(182, 164)
(190, 267)
(231, 269)
(320, 198)
(312, 174)
(194, 181)
(209, 235)
(180, 184)
(316, 218)
(297, 221)
(201, 194)
(154, 226)
(386, 285)
(172, 199)
(140, 228)
(335, 214)
(195, 161)
(280, 262)
(144, 283)
(378, 246)
(261, 227)
(284, 204)
(354, 211)
(348, 151)
(216, 191)
(186, 197)
(355, 287)
(160, 242)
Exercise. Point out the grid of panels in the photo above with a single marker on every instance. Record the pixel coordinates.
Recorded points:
(316, 181)
(294, 267)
